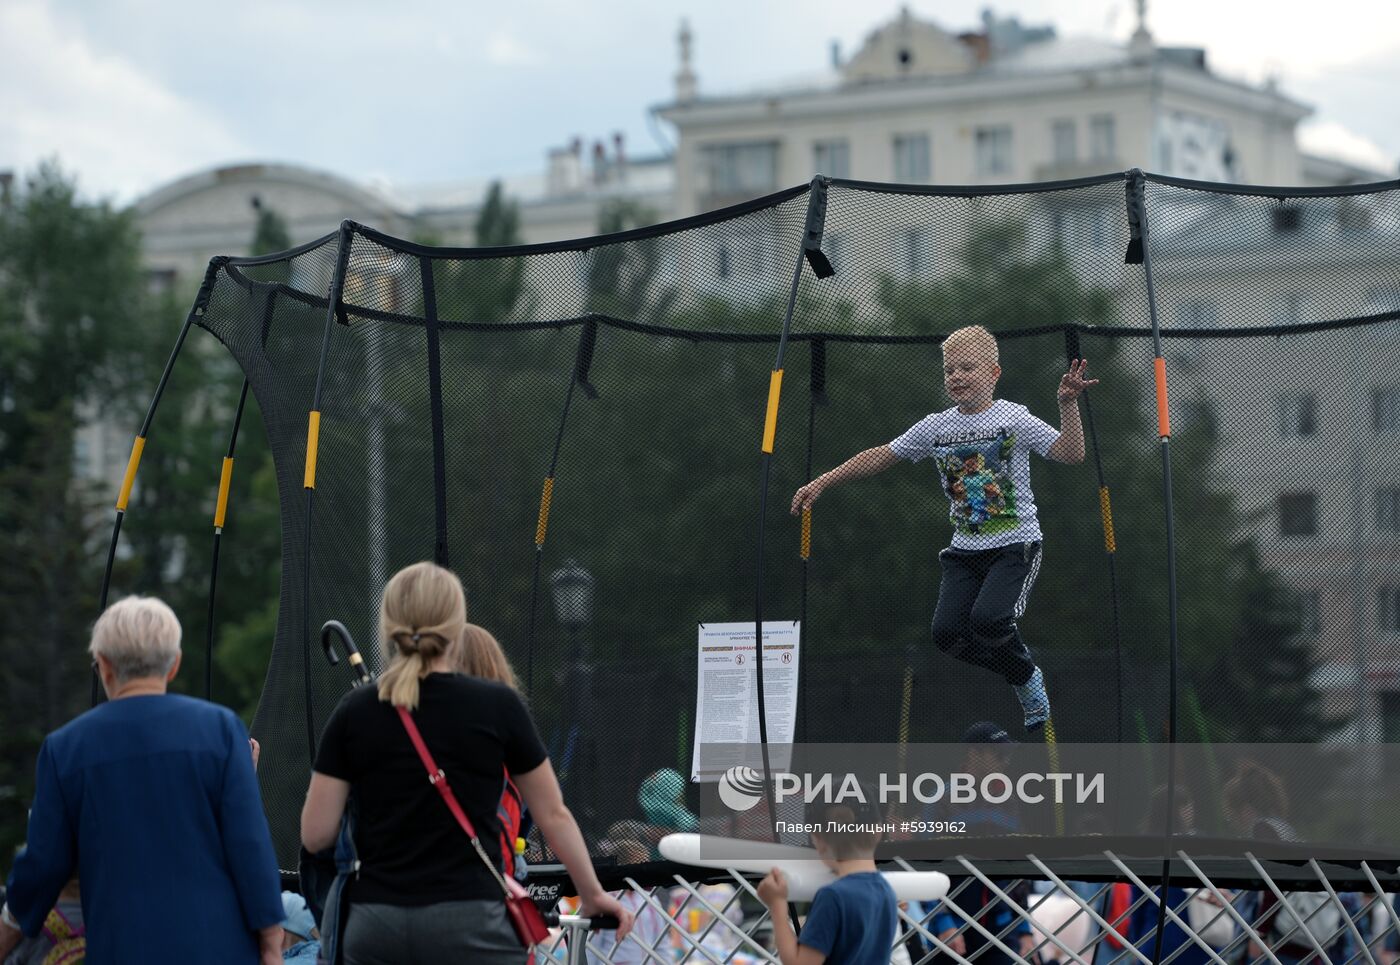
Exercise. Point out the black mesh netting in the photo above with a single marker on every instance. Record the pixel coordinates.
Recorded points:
(635, 370)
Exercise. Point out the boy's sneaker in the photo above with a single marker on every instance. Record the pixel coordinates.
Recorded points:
(1035, 702)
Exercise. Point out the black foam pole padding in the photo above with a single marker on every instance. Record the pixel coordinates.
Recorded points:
(1071, 343)
(583, 362)
(815, 228)
(817, 384)
(435, 416)
(1137, 221)
(333, 294)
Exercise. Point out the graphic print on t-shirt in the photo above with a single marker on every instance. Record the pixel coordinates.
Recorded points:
(976, 475)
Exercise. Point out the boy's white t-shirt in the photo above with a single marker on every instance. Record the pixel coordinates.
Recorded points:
(983, 461)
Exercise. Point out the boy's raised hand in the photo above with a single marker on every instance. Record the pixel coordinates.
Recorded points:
(1072, 383)
(773, 890)
(806, 496)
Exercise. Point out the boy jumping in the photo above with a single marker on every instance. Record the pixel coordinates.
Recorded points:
(982, 448)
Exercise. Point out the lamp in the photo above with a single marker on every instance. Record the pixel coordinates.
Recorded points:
(572, 587)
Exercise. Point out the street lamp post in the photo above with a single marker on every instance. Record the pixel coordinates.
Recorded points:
(572, 587)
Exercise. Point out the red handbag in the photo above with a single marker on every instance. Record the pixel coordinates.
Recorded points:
(524, 916)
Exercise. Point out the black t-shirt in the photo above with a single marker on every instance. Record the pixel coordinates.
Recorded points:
(411, 849)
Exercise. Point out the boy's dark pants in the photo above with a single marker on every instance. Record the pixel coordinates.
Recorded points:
(982, 594)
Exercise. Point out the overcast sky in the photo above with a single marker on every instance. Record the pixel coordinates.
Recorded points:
(129, 94)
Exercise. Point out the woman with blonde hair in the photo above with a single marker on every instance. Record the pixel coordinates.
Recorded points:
(422, 893)
(482, 656)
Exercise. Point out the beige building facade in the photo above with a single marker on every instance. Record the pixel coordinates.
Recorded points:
(918, 104)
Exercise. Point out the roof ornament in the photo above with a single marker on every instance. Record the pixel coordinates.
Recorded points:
(686, 82)
(1141, 43)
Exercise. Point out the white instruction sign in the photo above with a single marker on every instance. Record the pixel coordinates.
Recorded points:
(726, 698)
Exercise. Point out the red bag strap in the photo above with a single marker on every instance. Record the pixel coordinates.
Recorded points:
(438, 779)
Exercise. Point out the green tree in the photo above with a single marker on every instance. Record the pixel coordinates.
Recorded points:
(71, 292)
(493, 289)
(623, 278)
(270, 234)
(1258, 688)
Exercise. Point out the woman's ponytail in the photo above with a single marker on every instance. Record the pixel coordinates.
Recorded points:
(420, 618)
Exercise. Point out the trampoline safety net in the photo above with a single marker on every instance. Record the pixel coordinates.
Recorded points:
(629, 379)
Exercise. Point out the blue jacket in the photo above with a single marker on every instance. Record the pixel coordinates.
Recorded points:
(152, 800)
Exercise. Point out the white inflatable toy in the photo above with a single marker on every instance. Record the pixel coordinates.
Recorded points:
(803, 867)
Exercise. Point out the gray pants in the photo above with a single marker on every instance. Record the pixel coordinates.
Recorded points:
(450, 931)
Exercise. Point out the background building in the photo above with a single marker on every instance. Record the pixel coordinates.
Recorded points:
(1006, 103)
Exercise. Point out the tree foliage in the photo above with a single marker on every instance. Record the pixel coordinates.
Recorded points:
(71, 311)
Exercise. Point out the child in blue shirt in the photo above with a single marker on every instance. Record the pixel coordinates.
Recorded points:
(853, 920)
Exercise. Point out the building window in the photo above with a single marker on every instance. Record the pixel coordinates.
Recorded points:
(914, 246)
(1297, 514)
(1288, 308)
(1388, 509)
(1297, 414)
(832, 158)
(1390, 716)
(741, 169)
(160, 280)
(1309, 612)
(1103, 138)
(993, 150)
(1064, 136)
(1198, 313)
(1385, 409)
(911, 159)
(1388, 609)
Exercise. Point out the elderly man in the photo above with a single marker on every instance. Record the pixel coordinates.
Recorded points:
(151, 799)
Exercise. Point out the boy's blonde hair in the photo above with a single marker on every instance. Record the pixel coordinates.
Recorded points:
(420, 618)
(976, 339)
(481, 656)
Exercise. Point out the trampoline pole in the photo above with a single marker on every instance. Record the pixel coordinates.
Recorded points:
(816, 207)
(816, 395)
(313, 437)
(138, 446)
(1110, 541)
(1138, 213)
(220, 509)
(435, 416)
(579, 373)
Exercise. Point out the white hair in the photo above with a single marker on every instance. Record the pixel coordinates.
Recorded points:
(139, 636)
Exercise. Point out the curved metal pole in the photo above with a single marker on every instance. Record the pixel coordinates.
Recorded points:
(138, 446)
(582, 360)
(1138, 211)
(1110, 540)
(225, 481)
(816, 199)
(336, 289)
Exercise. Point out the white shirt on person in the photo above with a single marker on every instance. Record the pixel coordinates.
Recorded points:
(983, 463)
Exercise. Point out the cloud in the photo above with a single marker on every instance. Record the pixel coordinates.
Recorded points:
(99, 114)
(1335, 140)
(503, 50)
